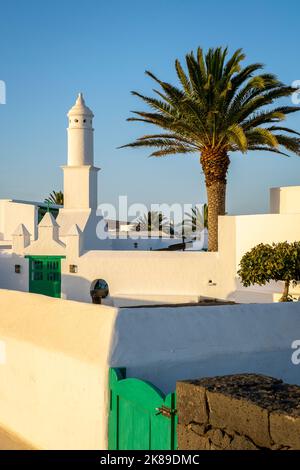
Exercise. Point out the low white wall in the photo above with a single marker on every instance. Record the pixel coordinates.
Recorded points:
(141, 273)
(164, 345)
(55, 354)
(53, 378)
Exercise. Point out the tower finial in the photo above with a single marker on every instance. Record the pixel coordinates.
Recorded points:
(80, 99)
(80, 108)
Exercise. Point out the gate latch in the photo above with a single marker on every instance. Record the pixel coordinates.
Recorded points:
(165, 411)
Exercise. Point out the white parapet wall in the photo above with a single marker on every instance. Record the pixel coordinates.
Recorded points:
(163, 345)
(14, 213)
(285, 200)
(53, 370)
(142, 273)
(55, 356)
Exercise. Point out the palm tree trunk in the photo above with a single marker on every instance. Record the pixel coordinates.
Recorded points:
(285, 294)
(216, 193)
(215, 165)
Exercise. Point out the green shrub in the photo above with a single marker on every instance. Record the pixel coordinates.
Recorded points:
(276, 262)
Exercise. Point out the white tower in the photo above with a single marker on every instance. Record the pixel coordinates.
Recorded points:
(80, 180)
(80, 134)
(80, 175)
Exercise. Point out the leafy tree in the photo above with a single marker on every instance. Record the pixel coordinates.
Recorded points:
(218, 108)
(55, 198)
(276, 262)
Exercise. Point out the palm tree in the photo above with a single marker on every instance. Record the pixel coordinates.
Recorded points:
(196, 220)
(55, 198)
(150, 221)
(219, 107)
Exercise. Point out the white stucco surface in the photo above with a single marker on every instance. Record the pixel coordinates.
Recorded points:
(80, 134)
(13, 214)
(138, 273)
(55, 357)
(48, 242)
(285, 200)
(163, 345)
(85, 178)
(127, 300)
(248, 231)
(133, 272)
(144, 273)
(264, 228)
(53, 378)
(55, 354)
(141, 273)
(8, 278)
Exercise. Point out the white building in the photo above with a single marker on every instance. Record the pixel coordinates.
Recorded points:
(58, 353)
(62, 257)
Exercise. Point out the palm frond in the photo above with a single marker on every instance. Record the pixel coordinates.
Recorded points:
(238, 137)
(263, 136)
(263, 148)
(185, 82)
(218, 105)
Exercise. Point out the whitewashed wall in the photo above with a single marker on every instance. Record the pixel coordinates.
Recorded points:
(250, 230)
(8, 278)
(55, 356)
(265, 228)
(14, 213)
(164, 345)
(141, 273)
(149, 273)
(285, 200)
(54, 370)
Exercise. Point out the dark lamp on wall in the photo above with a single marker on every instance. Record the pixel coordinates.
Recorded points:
(73, 268)
(17, 268)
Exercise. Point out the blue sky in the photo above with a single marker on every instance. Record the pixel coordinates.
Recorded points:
(49, 51)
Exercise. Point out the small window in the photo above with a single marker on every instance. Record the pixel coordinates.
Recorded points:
(76, 120)
(84, 120)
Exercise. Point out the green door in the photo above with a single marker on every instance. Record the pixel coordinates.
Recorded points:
(45, 275)
(141, 417)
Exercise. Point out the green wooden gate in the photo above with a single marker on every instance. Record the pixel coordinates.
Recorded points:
(141, 417)
(45, 275)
